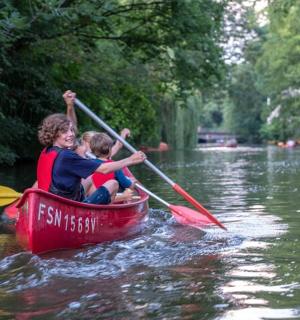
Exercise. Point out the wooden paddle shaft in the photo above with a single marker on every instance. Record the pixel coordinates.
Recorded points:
(123, 141)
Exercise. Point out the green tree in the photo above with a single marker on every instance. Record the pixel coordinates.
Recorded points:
(245, 111)
(279, 65)
(121, 57)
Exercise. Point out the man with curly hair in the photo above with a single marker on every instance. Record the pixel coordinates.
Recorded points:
(60, 169)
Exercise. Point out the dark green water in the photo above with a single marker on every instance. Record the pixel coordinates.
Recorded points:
(171, 271)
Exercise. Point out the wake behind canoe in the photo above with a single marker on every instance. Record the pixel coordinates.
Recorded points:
(47, 222)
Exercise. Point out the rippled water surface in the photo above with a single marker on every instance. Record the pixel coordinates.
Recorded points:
(172, 271)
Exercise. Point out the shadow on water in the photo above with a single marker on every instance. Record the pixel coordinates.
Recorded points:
(171, 271)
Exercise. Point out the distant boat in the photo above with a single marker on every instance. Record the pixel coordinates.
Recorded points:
(288, 144)
(206, 135)
(231, 143)
(161, 147)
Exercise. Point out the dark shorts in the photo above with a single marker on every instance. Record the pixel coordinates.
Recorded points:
(100, 196)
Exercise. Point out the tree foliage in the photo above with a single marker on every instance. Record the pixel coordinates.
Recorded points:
(263, 72)
(236, 104)
(247, 101)
(122, 57)
(279, 66)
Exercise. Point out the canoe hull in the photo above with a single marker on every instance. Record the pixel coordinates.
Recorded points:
(46, 222)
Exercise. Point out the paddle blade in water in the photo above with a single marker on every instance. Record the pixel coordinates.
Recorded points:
(190, 217)
(197, 205)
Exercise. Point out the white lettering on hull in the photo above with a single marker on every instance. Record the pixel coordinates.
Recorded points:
(41, 210)
(57, 219)
(68, 222)
(49, 215)
(93, 221)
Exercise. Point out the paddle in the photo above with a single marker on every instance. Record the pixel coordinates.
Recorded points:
(182, 214)
(8, 195)
(175, 186)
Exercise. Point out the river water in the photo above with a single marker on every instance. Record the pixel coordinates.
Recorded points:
(171, 271)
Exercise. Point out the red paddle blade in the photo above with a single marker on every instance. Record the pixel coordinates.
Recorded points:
(197, 205)
(190, 217)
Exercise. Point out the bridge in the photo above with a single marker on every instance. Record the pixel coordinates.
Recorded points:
(214, 136)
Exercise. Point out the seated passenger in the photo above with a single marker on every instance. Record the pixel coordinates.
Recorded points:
(60, 169)
(101, 145)
(117, 146)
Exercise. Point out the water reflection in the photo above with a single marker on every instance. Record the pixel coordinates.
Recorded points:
(175, 272)
(261, 313)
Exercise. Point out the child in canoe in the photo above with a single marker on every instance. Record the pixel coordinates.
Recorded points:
(117, 146)
(60, 169)
(82, 144)
(102, 147)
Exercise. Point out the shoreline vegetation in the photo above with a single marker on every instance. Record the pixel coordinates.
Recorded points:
(160, 68)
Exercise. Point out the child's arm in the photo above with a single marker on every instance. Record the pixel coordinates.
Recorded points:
(118, 145)
(124, 182)
(69, 98)
(108, 167)
(88, 185)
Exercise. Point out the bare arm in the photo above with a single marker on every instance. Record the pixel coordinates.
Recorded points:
(118, 145)
(108, 167)
(69, 98)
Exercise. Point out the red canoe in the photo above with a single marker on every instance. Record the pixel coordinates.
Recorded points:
(46, 222)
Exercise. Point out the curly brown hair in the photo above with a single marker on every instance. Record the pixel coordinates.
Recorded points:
(101, 144)
(51, 127)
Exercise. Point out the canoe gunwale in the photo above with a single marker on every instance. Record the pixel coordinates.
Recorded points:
(144, 197)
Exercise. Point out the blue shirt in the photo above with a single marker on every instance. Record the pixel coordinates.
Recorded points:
(69, 168)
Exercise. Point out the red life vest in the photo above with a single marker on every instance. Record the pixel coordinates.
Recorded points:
(99, 178)
(44, 168)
